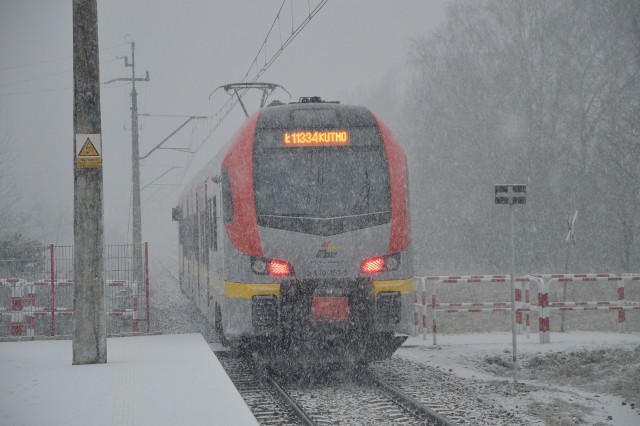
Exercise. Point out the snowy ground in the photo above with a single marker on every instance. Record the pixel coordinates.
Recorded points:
(148, 380)
(581, 378)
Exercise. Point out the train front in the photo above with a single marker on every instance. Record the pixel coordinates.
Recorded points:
(329, 261)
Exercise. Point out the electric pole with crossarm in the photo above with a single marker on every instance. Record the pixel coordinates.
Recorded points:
(136, 239)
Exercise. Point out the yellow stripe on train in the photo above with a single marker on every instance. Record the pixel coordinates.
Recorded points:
(248, 290)
(403, 286)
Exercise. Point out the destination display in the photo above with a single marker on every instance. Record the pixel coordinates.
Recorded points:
(316, 138)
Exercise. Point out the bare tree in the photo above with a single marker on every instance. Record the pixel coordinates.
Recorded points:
(537, 92)
(8, 192)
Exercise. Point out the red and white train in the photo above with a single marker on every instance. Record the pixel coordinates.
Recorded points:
(295, 239)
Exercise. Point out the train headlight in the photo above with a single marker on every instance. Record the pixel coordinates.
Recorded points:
(381, 264)
(259, 266)
(392, 262)
(262, 266)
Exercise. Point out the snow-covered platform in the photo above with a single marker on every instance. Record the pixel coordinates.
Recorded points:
(148, 380)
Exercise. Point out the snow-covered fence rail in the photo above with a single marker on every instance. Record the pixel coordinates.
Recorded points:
(423, 307)
(427, 304)
(545, 305)
(45, 306)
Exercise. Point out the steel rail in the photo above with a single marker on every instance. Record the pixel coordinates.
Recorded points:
(437, 418)
(306, 419)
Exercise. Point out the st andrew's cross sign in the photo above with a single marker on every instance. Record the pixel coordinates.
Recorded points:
(511, 194)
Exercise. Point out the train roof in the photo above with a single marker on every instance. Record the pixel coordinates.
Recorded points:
(296, 115)
(314, 115)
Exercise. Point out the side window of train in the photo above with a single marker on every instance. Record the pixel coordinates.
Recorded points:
(227, 203)
(206, 231)
(195, 237)
(210, 218)
(213, 236)
(181, 233)
(207, 224)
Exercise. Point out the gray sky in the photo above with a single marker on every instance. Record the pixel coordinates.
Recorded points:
(190, 48)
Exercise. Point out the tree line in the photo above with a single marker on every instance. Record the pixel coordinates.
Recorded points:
(544, 93)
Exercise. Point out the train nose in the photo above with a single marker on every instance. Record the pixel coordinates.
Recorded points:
(318, 306)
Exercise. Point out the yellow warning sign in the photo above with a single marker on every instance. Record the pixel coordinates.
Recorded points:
(89, 162)
(88, 151)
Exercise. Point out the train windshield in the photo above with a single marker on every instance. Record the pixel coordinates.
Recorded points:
(321, 182)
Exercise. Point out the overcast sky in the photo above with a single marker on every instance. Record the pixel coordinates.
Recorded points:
(189, 48)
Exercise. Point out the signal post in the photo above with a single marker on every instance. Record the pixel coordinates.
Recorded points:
(512, 195)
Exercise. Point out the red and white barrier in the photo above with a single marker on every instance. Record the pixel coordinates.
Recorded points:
(16, 308)
(31, 301)
(524, 307)
(421, 309)
(545, 306)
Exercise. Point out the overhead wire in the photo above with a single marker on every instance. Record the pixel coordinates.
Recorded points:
(223, 112)
(55, 59)
(58, 89)
(231, 103)
(43, 76)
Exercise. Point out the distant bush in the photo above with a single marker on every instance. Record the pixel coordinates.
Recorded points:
(19, 256)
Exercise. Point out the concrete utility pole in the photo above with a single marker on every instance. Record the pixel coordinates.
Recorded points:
(90, 334)
(135, 168)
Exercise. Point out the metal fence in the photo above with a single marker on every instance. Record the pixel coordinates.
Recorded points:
(36, 293)
(478, 303)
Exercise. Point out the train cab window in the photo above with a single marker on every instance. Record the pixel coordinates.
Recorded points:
(323, 182)
(322, 190)
(227, 201)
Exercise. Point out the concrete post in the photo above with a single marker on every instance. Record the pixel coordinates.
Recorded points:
(89, 336)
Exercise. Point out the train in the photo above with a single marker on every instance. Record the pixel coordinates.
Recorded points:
(295, 239)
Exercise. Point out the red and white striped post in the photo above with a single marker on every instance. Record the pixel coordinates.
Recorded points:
(543, 316)
(621, 312)
(420, 309)
(523, 308)
(17, 306)
(621, 301)
(542, 305)
(30, 311)
(527, 303)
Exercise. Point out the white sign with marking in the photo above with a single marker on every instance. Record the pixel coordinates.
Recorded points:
(88, 151)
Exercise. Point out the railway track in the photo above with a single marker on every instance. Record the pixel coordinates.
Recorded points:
(267, 405)
(335, 398)
(420, 410)
(452, 397)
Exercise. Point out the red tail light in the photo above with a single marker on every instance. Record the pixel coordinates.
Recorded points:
(375, 264)
(390, 262)
(279, 267)
(264, 266)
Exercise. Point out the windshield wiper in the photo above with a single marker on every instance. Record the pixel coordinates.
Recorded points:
(363, 199)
